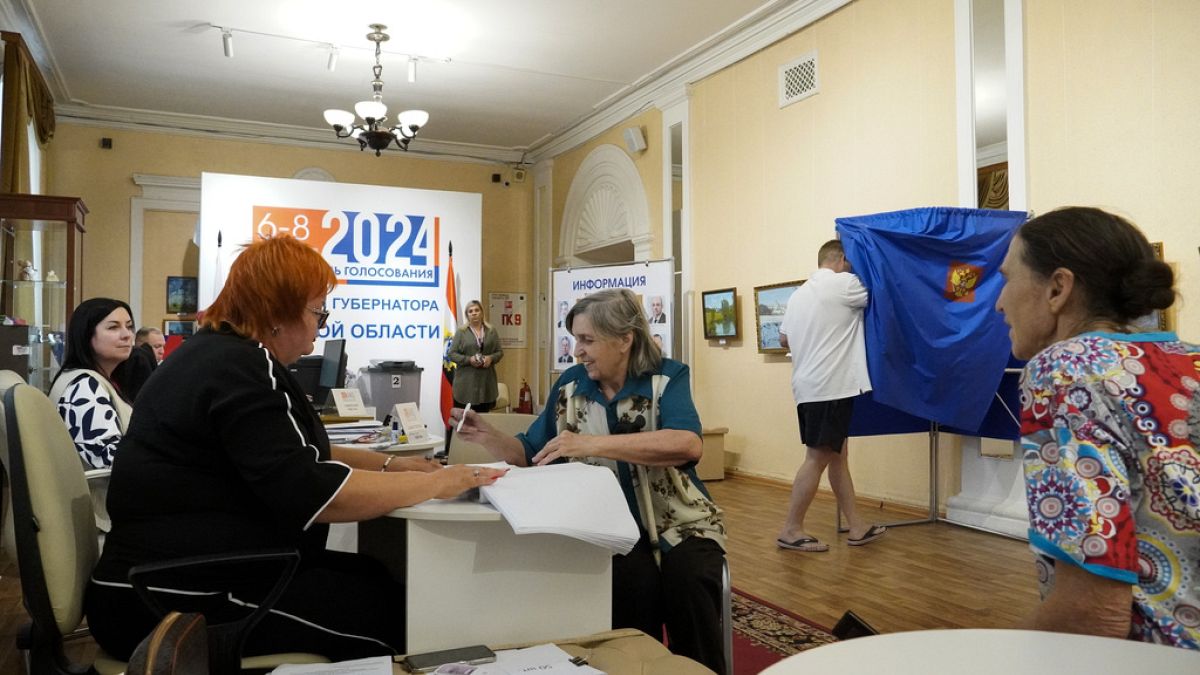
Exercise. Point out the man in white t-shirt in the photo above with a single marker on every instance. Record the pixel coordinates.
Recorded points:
(823, 328)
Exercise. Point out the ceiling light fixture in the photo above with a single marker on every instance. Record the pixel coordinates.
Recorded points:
(373, 134)
(331, 65)
(227, 42)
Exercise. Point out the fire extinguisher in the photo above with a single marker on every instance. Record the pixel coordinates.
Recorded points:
(525, 399)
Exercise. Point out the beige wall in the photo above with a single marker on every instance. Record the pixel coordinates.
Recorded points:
(767, 184)
(1111, 106)
(1114, 120)
(647, 162)
(169, 236)
(104, 178)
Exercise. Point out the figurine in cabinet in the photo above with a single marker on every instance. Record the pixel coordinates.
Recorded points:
(28, 271)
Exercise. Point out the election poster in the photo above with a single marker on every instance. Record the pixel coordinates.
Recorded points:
(389, 247)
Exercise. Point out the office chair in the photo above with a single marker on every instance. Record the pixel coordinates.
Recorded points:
(8, 379)
(502, 402)
(56, 538)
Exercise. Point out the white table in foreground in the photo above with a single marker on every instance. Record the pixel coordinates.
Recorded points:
(471, 580)
(344, 536)
(989, 652)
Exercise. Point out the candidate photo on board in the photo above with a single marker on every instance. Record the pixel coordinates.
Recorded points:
(656, 311)
(564, 350)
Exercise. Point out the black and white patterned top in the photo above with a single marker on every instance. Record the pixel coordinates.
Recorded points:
(92, 417)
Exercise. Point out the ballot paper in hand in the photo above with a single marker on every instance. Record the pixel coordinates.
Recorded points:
(573, 499)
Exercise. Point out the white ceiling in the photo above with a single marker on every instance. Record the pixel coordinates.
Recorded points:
(521, 72)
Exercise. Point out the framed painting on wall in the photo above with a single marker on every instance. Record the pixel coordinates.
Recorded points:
(720, 314)
(770, 302)
(184, 328)
(182, 294)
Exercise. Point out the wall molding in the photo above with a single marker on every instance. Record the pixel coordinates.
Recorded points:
(605, 205)
(264, 132)
(661, 88)
(180, 194)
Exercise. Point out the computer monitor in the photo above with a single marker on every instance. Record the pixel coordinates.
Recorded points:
(333, 367)
(318, 374)
(333, 371)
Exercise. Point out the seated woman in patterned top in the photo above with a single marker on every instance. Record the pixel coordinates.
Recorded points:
(99, 341)
(1110, 423)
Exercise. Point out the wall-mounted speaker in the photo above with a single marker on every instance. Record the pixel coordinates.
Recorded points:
(635, 141)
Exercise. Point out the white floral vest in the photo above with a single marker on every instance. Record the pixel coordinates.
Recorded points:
(672, 507)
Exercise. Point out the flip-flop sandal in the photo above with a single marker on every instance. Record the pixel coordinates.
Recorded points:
(806, 544)
(869, 536)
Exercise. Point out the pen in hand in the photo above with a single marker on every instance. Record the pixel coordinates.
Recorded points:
(463, 418)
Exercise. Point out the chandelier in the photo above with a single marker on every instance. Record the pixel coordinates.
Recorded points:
(373, 132)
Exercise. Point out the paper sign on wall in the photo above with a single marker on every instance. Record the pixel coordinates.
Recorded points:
(507, 314)
(653, 282)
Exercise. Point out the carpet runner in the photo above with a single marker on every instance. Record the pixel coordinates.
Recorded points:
(764, 634)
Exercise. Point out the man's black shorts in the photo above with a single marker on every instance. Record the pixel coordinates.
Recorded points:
(825, 424)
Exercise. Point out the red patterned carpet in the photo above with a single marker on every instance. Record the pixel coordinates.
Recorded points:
(764, 634)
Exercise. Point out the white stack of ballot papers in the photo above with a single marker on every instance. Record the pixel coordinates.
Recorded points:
(348, 432)
(573, 499)
(365, 434)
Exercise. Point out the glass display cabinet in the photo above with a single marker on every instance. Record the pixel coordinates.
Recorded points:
(41, 255)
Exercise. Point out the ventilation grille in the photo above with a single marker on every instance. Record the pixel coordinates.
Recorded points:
(798, 80)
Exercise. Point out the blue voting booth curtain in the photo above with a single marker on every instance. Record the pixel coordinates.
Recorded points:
(936, 347)
(872, 418)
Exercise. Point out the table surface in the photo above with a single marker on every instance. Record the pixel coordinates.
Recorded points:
(467, 575)
(448, 509)
(989, 652)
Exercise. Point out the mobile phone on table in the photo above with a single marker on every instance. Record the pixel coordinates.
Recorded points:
(428, 661)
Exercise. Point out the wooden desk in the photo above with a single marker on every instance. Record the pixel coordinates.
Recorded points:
(471, 580)
(623, 651)
(989, 652)
(712, 463)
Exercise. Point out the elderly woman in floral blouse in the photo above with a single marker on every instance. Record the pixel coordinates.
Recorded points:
(624, 406)
(1110, 426)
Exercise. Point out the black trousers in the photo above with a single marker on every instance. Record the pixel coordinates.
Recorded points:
(684, 595)
(340, 605)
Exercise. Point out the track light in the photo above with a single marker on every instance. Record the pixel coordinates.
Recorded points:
(227, 42)
(333, 57)
(412, 69)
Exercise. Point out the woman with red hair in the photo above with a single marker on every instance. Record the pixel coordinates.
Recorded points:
(224, 453)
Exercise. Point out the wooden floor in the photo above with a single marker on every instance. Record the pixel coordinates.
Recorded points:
(916, 577)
